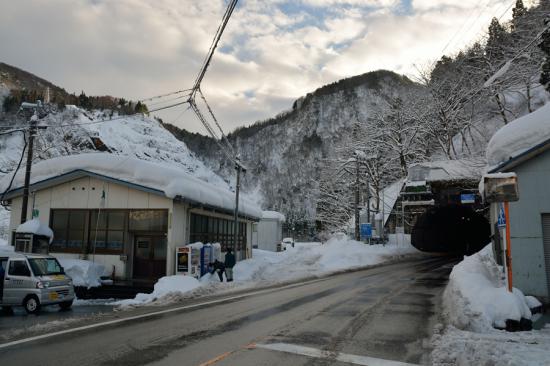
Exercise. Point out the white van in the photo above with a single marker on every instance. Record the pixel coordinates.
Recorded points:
(32, 280)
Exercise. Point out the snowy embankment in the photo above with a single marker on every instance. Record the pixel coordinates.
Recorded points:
(83, 273)
(305, 260)
(475, 303)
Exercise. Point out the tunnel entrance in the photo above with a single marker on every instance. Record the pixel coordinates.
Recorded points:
(451, 229)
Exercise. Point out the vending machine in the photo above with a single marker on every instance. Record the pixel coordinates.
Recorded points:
(206, 258)
(188, 259)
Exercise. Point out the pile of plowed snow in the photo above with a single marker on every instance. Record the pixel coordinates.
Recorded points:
(303, 261)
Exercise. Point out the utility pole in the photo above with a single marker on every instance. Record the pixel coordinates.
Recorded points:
(32, 133)
(368, 202)
(357, 231)
(239, 168)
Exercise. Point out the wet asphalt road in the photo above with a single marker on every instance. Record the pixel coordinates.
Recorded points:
(386, 313)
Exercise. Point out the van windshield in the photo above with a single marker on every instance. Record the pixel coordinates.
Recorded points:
(45, 266)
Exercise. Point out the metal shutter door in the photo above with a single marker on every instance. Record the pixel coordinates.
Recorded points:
(546, 244)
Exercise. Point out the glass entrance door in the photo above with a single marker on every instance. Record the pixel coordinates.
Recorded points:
(149, 257)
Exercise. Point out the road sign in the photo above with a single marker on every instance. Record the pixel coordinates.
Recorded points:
(466, 198)
(501, 217)
(366, 231)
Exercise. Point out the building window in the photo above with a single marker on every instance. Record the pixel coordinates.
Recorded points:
(107, 231)
(69, 228)
(102, 231)
(208, 229)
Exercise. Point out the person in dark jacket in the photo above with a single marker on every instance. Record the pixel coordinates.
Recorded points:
(219, 268)
(229, 264)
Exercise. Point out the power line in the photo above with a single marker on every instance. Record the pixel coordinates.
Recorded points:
(224, 137)
(462, 26)
(214, 45)
(16, 169)
(164, 95)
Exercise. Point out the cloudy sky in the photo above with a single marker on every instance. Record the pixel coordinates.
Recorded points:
(273, 51)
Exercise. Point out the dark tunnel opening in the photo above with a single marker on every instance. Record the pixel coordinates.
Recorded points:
(451, 229)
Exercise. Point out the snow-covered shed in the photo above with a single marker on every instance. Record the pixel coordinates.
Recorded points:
(268, 233)
(129, 214)
(523, 147)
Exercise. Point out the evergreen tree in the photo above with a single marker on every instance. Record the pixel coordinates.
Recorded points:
(140, 108)
(84, 101)
(518, 11)
(496, 41)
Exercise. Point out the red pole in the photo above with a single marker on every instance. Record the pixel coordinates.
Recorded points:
(508, 246)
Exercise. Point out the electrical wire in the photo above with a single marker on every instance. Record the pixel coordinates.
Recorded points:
(214, 45)
(228, 150)
(164, 95)
(462, 26)
(224, 137)
(15, 171)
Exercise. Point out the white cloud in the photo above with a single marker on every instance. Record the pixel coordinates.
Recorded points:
(271, 53)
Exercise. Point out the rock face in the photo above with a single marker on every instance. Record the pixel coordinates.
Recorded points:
(285, 154)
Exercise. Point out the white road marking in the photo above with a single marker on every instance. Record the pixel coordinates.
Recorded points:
(337, 356)
(147, 315)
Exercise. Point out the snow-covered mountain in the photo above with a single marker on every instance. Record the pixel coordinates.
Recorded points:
(75, 130)
(285, 154)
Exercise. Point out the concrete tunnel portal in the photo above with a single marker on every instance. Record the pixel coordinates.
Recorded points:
(453, 229)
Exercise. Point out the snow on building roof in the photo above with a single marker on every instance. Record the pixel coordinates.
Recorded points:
(447, 170)
(519, 136)
(273, 215)
(36, 227)
(388, 197)
(174, 182)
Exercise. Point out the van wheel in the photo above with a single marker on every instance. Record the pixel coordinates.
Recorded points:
(31, 304)
(66, 305)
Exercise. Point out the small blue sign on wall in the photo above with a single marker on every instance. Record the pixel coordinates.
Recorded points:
(501, 217)
(366, 231)
(466, 198)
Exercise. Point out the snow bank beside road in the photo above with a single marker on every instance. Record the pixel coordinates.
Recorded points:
(477, 297)
(165, 287)
(84, 273)
(266, 268)
(309, 260)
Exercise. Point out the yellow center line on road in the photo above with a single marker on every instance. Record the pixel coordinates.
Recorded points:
(226, 354)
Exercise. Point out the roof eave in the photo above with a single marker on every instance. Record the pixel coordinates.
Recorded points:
(76, 174)
(80, 173)
(521, 158)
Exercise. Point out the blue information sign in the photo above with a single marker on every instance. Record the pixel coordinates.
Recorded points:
(366, 231)
(501, 217)
(467, 198)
